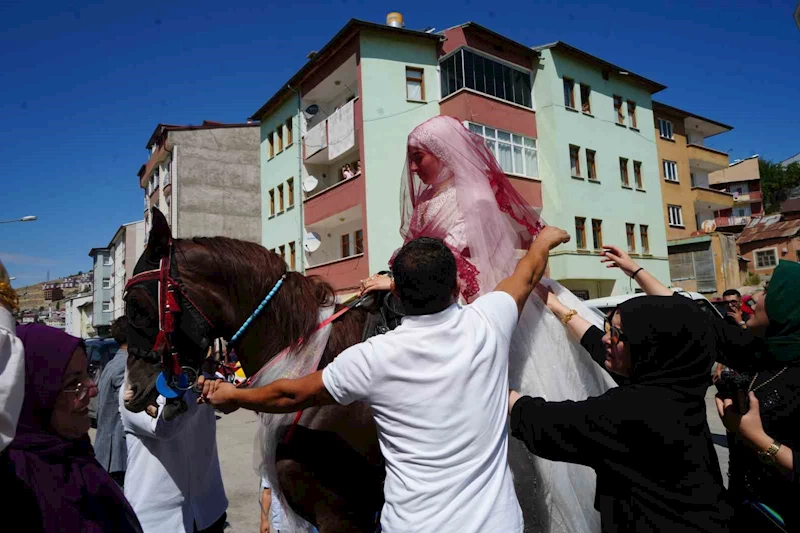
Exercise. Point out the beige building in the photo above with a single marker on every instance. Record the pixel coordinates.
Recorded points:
(700, 259)
(742, 179)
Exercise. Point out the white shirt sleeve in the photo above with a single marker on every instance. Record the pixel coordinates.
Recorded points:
(144, 425)
(500, 310)
(349, 376)
(12, 377)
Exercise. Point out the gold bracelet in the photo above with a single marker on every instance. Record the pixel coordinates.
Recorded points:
(571, 313)
(8, 296)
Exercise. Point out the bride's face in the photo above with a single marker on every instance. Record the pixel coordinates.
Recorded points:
(424, 164)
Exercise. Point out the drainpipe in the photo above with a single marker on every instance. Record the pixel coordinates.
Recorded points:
(300, 253)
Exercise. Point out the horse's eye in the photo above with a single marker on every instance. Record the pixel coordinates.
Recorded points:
(137, 315)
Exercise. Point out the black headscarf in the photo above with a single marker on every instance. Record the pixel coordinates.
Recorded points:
(669, 343)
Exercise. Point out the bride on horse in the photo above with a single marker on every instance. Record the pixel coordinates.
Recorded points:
(454, 189)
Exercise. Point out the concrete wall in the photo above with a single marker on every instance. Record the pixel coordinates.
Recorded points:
(216, 185)
(101, 318)
(75, 320)
(742, 171)
(388, 119)
(564, 197)
(286, 226)
(118, 254)
(134, 246)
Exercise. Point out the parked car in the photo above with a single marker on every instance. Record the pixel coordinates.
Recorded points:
(99, 352)
(603, 306)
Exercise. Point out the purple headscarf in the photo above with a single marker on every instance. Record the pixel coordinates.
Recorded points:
(72, 490)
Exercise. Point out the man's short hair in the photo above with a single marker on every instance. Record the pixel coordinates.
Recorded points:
(424, 276)
(119, 330)
(732, 292)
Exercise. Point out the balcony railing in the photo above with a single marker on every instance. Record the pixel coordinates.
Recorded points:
(331, 138)
(706, 158)
(726, 222)
(746, 197)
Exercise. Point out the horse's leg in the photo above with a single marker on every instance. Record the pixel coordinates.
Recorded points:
(313, 501)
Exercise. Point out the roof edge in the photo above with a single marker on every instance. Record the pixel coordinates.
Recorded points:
(690, 114)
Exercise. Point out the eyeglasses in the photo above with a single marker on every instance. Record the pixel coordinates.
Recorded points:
(81, 391)
(616, 334)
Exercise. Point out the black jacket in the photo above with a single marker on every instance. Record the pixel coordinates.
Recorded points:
(648, 440)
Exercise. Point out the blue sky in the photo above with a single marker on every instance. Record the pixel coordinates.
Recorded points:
(85, 83)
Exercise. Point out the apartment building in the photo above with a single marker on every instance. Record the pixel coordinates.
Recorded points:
(125, 248)
(205, 179)
(743, 180)
(599, 167)
(102, 293)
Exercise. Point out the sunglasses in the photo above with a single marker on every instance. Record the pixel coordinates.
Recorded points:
(81, 391)
(616, 334)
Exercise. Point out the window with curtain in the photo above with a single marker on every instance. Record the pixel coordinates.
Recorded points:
(591, 169)
(637, 174)
(629, 232)
(280, 198)
(359, 241)
(618, 109)
(345, 241)
(643, 236)
(665, 128)
(292, 256)
(574, 160)
(516, 154)
(290, 192)
(597, 234)
(569, 93)
(271, 202)
(586, 94)
(580, 233)
(289, 138)
(623, 172)
(415, 84)
(467, 69)
(632, 114)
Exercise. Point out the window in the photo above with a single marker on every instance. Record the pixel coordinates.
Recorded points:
(632, 114)
(623, 172)
(107, 260)
(359, 238)
(569, 93)
(282, 252)
(279, 140)
(675, 215)
(271, 144)
(290, 192)
(670, 171)
(106, 283)
(289, 138)
(665, 128)
(586, 95)
(467, 69)
(580, 233)
(280, 198)
(591, 169)
(106, 307)
(637, 175)
(515, 153)
(619, 110)
(415, 84)
(292, 256)
(766, 258)
(272, 202)
(629, 231)
(574, 160)
(644, 238)
(346, 245)
(597, 234)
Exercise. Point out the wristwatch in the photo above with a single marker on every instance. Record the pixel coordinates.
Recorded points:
(769, 456)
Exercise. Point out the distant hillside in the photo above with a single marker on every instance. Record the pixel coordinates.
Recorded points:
(32, 296)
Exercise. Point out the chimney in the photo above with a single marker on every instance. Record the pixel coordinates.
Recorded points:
(395, 20)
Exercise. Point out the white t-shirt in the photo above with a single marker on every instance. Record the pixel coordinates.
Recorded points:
(438, 388)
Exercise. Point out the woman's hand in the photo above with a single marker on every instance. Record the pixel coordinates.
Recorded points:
(747, 425)
(378, 282)
(615, 257)
(551, 300)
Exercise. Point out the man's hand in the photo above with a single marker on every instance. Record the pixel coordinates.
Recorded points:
(551, 236)
(736, 314)
(748, 426)
(218, 393)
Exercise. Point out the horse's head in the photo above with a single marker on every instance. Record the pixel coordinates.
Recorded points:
(220, 281)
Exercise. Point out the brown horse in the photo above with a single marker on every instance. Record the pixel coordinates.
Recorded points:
(328, 472)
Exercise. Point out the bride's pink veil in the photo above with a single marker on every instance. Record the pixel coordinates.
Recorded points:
(497, 219)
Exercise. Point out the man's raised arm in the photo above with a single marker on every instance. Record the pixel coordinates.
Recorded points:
(531, 267)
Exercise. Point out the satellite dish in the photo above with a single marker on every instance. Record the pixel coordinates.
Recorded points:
(708, 226)
(311, 242)
(310, 183)
(311, 110)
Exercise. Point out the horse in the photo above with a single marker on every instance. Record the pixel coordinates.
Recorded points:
(328, 471)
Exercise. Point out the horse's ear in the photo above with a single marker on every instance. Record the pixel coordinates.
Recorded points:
(160, 234)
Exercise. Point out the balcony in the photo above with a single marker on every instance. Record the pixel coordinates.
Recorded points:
(334, 138)
(706, 158)
(731, 222)
(711, 199)
(334, 199)
(146, 204)
(747, 197)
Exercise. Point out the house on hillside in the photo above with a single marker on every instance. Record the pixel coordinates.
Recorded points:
(767, 240)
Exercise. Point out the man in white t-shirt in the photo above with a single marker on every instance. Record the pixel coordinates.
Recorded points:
(438, 389)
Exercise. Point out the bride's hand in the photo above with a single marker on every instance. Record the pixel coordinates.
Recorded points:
(615, 257)
(380, 283)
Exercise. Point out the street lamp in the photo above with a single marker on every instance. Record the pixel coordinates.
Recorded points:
(29, 218)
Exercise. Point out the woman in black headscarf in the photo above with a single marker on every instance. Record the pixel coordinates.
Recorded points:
(648, 439)
(765, 453)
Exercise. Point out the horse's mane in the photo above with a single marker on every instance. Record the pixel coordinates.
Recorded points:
(243, 273)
